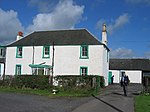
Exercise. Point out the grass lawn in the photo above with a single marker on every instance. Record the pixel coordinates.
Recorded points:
(142, 103)
(72, 93)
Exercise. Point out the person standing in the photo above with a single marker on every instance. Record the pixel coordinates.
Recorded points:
(112, 79)
(124, 82)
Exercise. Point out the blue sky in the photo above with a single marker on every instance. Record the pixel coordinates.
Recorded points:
(127, 21)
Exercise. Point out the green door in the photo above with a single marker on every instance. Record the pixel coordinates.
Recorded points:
(109, 77)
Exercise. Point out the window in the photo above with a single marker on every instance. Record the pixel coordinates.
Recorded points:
(0, 70)
(84, 52)
(40, 69)
(46, 52)
(83, 71)
(107, 56)
(2, 52)
(18, 70)
(19, 52)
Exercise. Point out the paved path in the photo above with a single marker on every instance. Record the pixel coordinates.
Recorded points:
(112, 100)
(12, 102)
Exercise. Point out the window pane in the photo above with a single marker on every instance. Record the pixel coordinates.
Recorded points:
(84, 51)
(46, 52)
(19, 52)
(41, 71)
(1, 52)
(18, 70)
(83, 71)
(0, 69)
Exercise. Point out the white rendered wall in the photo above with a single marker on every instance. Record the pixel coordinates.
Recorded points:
(135, 76)
(66, 60)
(27, 58)
(105, 64)
(116, 74)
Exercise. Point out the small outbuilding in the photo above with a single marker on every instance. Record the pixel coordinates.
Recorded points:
(138, 70)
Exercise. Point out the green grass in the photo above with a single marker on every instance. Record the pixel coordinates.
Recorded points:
(61, 92)
(142, 103)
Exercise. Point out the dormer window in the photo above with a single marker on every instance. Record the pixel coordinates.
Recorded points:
(84, 52)
(19, 52)
(46, 51)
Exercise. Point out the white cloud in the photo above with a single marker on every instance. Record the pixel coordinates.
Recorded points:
(121, 53)
(147, 55)
(146, 2)
(119, 22)
(9, 26)
(113, 25)
(43, 5)
(65, 15)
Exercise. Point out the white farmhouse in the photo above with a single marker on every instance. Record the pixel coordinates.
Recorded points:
(68, 52)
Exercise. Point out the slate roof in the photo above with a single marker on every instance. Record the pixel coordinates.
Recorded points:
(129, 64)
(59, 37)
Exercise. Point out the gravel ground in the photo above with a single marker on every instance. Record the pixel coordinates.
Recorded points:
(12, 102)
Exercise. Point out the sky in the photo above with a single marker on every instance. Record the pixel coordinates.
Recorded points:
(128, 25)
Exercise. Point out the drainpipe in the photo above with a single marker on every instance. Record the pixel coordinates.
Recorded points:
(33, 57)
(51, 79)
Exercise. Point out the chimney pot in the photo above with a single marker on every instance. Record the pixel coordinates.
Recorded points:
(19, 36)
(104, 34)
(104, 28)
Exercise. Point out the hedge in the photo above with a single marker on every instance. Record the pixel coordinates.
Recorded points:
(27, 81)
(71, 81)
(42, 81)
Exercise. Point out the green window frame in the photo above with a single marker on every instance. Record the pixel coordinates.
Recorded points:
(84, 52)
(1, 52)
(83, 71)
(19, 52)
(0, 70)
(46, 51)
(18, 70)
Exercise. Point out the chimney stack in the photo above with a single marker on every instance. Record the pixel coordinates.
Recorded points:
(104, 34)
(20, 35)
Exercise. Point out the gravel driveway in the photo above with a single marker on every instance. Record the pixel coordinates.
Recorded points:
(13, 102)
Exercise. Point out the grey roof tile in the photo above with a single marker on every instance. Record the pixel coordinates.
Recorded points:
(59, 37)
(129, 64)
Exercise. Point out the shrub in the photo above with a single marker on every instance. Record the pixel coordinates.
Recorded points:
(27, 81)
(74, 81)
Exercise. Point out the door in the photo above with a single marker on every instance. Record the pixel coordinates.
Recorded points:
(109, 77)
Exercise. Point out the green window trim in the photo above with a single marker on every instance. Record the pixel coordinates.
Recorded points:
(86, 72)
(46, 54)
(39, 66)
(84, 52)
(19, 52)
(0, 70)
(18, 66)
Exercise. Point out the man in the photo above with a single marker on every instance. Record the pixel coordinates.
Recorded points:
(124, 82)
(112, 79)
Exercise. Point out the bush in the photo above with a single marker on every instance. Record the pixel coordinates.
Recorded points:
(27, 81)
(76, 81)
(71, 82)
